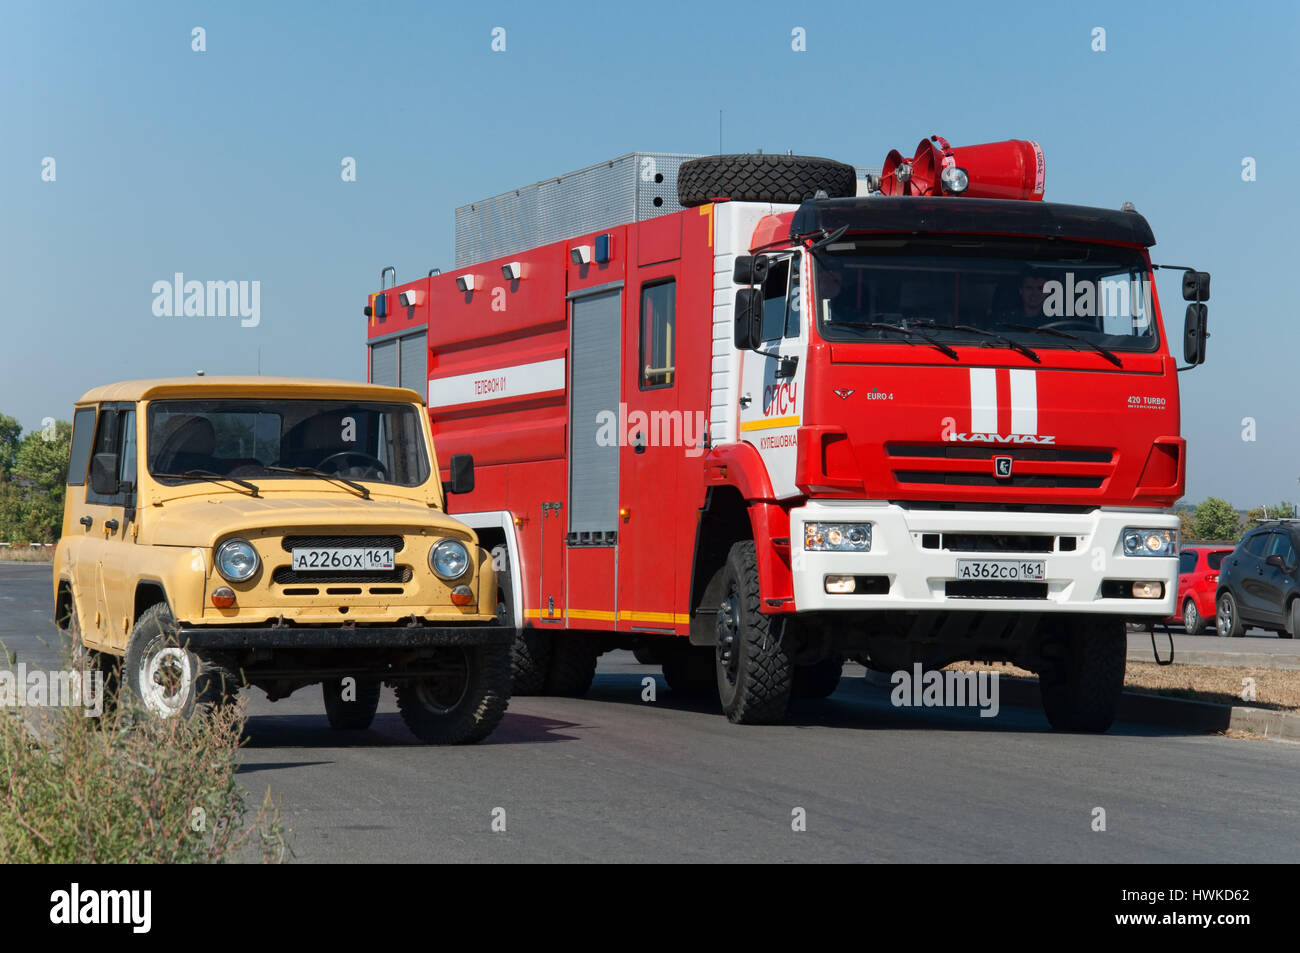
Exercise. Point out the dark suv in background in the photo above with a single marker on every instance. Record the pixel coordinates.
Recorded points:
(1259, 582)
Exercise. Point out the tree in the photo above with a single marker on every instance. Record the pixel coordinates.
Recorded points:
(31, 500)
(1187, 526)
(1216, 519)
(1259, 513)
(10, 437)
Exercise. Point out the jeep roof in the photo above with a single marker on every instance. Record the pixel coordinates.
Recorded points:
(246, 386)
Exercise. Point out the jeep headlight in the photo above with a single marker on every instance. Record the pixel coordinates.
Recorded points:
(449, 559)
(1150, 542)
(837, 537)
(237, 560)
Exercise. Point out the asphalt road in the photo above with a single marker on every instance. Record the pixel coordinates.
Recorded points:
(614, 778)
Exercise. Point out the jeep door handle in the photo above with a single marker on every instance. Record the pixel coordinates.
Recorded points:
(87, 521)
(111, 526)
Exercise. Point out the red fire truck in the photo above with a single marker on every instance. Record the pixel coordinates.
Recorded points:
(754, 415)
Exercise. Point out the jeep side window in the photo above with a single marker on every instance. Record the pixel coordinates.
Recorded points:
(113, 425)
(126, 464)
(83, 433)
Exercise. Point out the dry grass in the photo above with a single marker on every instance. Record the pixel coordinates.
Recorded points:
(1275, 689)
(20, 553)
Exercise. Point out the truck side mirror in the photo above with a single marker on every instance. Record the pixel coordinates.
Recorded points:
(749, 318)
(462, 474)
(1196, 286)
(750, 269)
(1195, 333)
(103, 474)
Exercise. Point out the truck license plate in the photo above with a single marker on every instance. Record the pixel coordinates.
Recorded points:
(334, 559)
(1001, 569)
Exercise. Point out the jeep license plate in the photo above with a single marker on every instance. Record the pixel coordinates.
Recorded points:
(1008, 569)
(334, 559)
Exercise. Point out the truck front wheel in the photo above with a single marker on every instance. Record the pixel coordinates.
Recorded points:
(463, 701)
(1081, 691)
(754, 667)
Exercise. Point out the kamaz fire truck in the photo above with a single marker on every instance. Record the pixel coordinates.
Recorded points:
(754, 415)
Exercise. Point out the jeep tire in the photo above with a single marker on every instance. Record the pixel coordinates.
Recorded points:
(357, 713)
(464, 702)
(169, 679)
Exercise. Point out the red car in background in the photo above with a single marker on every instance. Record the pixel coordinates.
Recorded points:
(1198, 575)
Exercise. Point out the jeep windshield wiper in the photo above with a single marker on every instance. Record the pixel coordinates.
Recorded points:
(213, 477)
(1057, 332)
(971, 329)
(906, 332)
(312, 471)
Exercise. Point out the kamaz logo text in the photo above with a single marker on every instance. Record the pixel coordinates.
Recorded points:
(1016, 438)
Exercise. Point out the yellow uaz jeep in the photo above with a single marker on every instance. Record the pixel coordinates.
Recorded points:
(278, 532)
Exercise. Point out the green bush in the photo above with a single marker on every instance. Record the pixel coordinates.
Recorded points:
(128, 787)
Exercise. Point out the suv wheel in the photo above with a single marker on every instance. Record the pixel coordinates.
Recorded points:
(464, 701)
(1293, 616)
(169, 679)
(1192, 620)
(1228, 620)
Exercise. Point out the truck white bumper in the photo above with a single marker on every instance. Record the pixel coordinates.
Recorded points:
(916, 551)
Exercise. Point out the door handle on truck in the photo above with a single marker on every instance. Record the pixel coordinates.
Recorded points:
(745, 400)
(111, 526)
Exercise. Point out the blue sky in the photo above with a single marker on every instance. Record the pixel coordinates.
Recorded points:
(225, 164)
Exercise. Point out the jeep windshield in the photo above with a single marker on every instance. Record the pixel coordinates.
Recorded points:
(268, 439)
(974, 291)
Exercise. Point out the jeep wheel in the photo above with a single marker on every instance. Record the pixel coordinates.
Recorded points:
(1192, 620)
(754, 668)
(464, 701)
(1081, 691)
(1228, 620)
(355, 713)
(818, 680)
(168, 678)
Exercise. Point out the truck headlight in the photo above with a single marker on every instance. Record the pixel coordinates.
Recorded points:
(237, 560)
(1150, 542)
(449, 559)
(837, 537)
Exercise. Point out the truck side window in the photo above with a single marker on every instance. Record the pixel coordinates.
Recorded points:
(658, 334)
(794, 301)
(774, 289)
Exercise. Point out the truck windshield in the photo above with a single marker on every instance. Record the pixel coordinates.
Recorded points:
(245, 438)
(1037, 292)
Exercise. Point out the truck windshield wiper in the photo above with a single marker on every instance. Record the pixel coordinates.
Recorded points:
(312, 471)
(971, 329)
(906, 332)
(1056, 332)
(213, 477)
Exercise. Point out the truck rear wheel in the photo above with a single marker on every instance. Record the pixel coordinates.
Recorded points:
(754, 667)
(464, 701)
(1082, 691)
(572, 665)
(762, 178)
(355, 713)
(818, 680)
(170, 679)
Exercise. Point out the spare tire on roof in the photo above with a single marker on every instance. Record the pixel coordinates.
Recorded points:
(763, 178)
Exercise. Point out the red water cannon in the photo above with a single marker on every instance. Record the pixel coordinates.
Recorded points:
(1011, 169)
